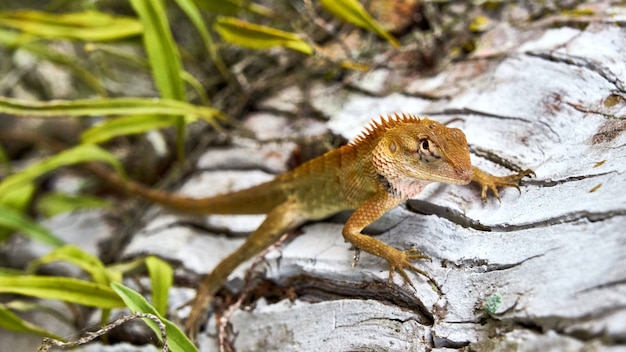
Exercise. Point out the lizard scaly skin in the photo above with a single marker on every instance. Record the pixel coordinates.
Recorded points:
(391, 161)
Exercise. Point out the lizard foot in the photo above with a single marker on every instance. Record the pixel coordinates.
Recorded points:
(491, 183)
(400, 260)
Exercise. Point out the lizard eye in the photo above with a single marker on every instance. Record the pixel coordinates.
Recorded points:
(428, 149)
(425, 146)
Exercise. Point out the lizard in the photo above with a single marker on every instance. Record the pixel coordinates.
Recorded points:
(392, 160)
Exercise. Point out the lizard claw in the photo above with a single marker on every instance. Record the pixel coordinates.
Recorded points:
(491, 183)
(401, 260)
(356, 258)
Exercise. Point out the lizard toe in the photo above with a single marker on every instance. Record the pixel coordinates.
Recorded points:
(402, 262)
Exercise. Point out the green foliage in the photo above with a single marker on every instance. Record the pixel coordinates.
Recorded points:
(79, 154)
(10, 321)
(177, 340)
(74, 255)
(90, 25)
(15, 220)
(17, 200)
(165, 62)
(109, 106)
(162, 51)
(127, 125)
(195, 16)
(161, 276)
(51, 204)
(255, 36)
(232, 7)
(352, 11)
(96, 293)
(61, 288)
(33, 31)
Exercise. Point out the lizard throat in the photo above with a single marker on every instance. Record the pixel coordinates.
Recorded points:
(403, 188)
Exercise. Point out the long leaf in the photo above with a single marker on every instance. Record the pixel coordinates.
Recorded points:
(164, 58)
(78, 257)
(255, 36)
(51, 204)
(62, 288)
(161, 276)
(15, 220)
(352, 11)
(232, 7)
(87, 26)
(4, 160)
(19, 199)
(192, 11)
(221, 7)
(176, 339)
(126, 125)
(10, 321)
(79, 154)
(110, 106)
(161, 49)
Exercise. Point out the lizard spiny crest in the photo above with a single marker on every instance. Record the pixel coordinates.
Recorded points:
(375, 130)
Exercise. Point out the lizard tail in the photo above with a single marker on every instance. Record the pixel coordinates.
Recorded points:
(255, 200)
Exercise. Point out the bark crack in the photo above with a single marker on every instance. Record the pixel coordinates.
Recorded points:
(468, 111)
(552, 183)
(326, 289)
(580, 62)
(425, 208)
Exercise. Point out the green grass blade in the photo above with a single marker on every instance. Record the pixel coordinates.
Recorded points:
(233, 7)
(10, 271)
(10, 321)
(110, 106)
(161, 276)
(62, 288)
(87, 26)
(19, 200)
(79, 154)
(4, 160)
(162, 51)
(198, 87)
(74, 255)
(15, 220)
(192, 11)
(51, 204)
(255, 36)
(353, 12)
(164, 58)
(177, 340)
(221, 7)
(126, 125)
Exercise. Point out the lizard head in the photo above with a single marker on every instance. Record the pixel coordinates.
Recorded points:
(423, 150)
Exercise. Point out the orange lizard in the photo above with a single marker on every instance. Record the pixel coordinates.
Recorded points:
(391, 161)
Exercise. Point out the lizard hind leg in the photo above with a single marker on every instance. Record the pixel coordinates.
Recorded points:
(281, 219)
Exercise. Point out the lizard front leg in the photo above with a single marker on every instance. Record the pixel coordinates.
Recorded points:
(488, 181)
(367, 213)
(281, 219)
